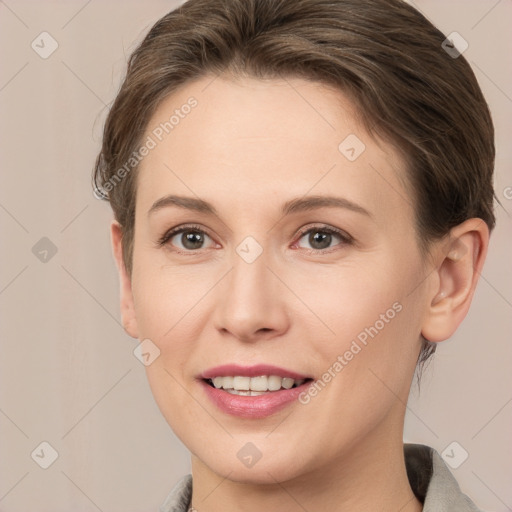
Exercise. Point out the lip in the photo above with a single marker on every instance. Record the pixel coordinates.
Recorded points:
(250, 371)
(254, 407)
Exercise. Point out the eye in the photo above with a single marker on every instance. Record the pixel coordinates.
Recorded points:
(321, 237)
(186, 238)
(193, 238)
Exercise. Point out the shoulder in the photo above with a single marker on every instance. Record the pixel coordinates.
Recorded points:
(178, 499)
(433, 483)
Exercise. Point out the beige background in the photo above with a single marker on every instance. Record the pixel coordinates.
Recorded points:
(68, 374)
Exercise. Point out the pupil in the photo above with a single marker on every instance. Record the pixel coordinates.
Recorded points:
(192, 240)
(323, 239)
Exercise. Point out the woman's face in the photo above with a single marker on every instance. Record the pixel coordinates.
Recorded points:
(299, 252)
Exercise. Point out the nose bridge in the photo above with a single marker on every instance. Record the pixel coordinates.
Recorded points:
(249, 281)
(249, 260)
(250, 301)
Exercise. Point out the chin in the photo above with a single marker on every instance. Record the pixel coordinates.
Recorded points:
(239, 460)
(261, 473)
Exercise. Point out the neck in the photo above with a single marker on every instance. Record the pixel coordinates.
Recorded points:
(369, 476)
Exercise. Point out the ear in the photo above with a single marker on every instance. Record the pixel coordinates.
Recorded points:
(459, 264)
(127, 305)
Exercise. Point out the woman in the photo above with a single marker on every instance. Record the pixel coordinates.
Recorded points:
(303, 200)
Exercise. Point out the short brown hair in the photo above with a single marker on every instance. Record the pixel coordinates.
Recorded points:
(384, 54)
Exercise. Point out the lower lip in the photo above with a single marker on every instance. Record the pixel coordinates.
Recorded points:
(259, 406)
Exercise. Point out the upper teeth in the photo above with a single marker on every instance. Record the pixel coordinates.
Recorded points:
(261, 383)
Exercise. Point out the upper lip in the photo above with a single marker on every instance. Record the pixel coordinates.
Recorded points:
(250, 371)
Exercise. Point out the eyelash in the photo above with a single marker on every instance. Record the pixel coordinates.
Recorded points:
(345, 238)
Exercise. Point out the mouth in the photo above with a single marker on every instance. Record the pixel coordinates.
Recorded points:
(253, 392)
(242, 385)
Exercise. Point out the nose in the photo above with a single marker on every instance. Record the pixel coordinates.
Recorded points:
(250, 301)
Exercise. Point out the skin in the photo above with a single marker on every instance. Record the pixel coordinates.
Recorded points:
(247, 148)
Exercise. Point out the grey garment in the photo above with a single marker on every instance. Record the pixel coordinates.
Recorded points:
(429, 477)
(179, 498)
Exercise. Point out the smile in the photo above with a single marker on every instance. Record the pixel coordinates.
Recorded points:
(253, 386)
(255, 391)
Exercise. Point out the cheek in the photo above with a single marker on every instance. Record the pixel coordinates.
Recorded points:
(366, 375)
(167, 304)
(166, 297)
(371, 325)
(347, 299)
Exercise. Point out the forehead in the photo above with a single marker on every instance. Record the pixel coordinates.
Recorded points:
(291, 110)
(274, 137)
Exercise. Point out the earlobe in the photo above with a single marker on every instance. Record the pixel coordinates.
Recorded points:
(460, 263)
(128, 316)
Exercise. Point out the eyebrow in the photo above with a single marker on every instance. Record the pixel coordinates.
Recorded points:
(291, 206)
